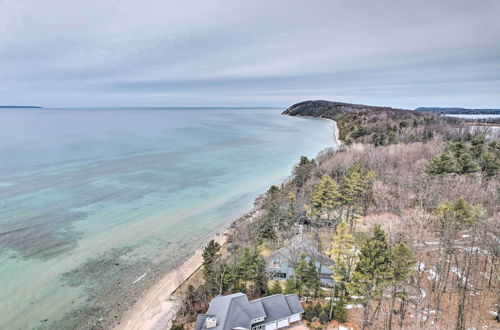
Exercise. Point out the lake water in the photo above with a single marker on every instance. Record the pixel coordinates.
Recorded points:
(478, 116)
(96, 204)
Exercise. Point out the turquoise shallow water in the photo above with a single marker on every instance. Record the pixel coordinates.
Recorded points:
(93, 199)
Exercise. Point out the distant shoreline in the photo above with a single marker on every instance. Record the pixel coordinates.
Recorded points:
(20, 107)
(459, 111)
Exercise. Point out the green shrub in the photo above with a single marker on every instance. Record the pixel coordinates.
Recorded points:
(177, 326)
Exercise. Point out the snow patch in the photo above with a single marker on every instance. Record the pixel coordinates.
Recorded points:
(351, 306)
(432, 275)
(459, 274)
(477, 249)
(422, 293)
(486, 275)
(420, 266)
(424, 315)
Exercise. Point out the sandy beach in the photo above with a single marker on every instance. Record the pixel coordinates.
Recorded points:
(155, 309)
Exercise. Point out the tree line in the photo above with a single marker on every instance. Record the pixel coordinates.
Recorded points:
(408, 229)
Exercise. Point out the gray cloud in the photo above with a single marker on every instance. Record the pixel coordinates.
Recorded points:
(157, 52)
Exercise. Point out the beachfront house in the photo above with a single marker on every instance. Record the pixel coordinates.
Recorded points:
(281, 263)
(235, 311)
(281, 267)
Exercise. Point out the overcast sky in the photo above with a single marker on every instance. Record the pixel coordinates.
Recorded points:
(401, 53)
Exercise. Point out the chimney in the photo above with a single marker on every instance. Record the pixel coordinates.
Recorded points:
(211, 322)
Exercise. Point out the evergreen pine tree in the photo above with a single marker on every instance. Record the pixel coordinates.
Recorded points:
(303, 160)
(210, 252)
(340, 312)
(309, 312)
(351, 190)
(257, 273)
(270, 222)
(352, 185)
(312, 279)
(477, 150)
(302, 172)
(210, 255)
(378, 139)
(266, 228)
(373, 271)
(441, 164)
(323, 317)
(451, 217)
(317, 309)
(301, 270)
(328, 306)
(325, 196)
(252, 267)
(276, 288)
(343, 253)
(391, 137)
(489, 165)
(478, 146)
(239, 287)
(465, 164)
(403, 261)
(292, 210)
(457, 148)
(291, 286)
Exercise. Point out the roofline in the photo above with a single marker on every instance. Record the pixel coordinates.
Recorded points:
(277, 294)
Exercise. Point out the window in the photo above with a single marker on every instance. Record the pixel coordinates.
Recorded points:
(277, 275)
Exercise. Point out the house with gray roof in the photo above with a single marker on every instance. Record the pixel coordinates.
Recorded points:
(281, 267)
(235, 311)
(281, 263)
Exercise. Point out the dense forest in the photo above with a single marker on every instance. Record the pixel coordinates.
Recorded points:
(459, 111)
(406, 212)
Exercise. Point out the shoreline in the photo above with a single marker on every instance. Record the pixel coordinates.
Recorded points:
(337, 142)
(157, 307)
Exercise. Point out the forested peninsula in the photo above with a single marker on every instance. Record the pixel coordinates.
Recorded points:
(398, 228)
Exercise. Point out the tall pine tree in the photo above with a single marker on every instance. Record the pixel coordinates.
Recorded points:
(325, 197)
(210, 255)
(343, 253)
(312, 278)
(402, 262)
(301, 270)
(373, 271)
